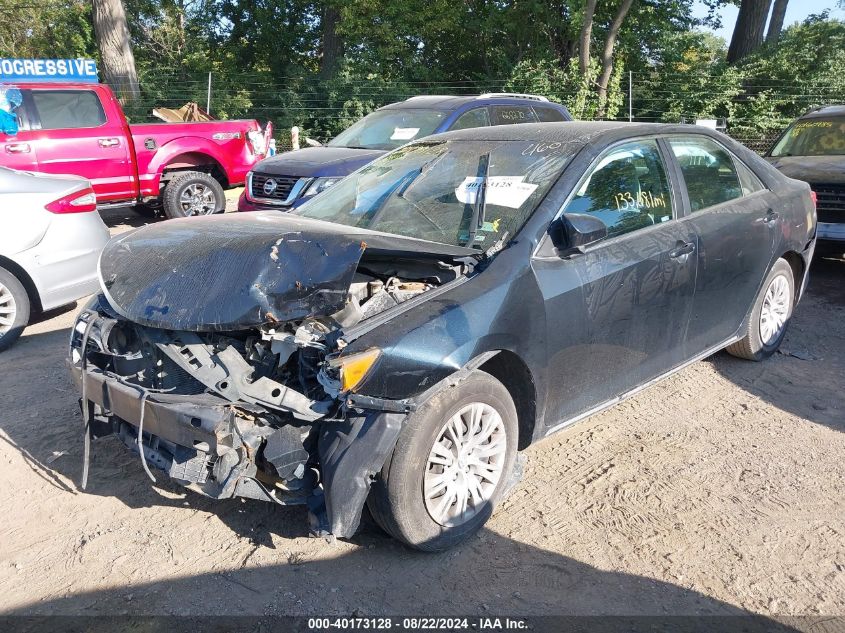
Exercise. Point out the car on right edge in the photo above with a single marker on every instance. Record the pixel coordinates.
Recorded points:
(812, 149)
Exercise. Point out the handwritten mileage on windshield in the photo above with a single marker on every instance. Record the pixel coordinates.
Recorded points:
(643, 200)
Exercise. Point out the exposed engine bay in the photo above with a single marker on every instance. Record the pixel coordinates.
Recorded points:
(259, 412)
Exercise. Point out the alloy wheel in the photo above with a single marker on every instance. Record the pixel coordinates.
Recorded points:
(465, 464)
(775, 310)
(197, 199)
(8, 309)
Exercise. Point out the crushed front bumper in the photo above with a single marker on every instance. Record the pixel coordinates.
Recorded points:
(213, 447)
(201, 441)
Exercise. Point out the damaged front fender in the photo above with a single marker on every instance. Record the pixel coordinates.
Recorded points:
(351, 453)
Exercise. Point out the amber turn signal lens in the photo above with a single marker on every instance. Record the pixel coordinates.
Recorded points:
(354, 368)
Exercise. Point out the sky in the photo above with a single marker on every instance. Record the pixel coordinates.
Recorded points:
(796, 12)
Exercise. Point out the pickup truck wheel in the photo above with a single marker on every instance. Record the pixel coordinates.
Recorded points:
(770, 315)
(14, 309)
(193, 193)
(451, 465)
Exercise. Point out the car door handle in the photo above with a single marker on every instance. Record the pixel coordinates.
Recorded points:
(108, 142)
(771, 216)
(17, 148)
(682, 249)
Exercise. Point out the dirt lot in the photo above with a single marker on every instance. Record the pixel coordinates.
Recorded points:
(717, 491)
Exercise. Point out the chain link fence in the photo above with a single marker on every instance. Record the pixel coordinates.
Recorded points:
(322, 109)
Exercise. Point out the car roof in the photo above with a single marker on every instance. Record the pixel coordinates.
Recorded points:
(566, 131)
(450, 103)
(571, 136)
(836, 109)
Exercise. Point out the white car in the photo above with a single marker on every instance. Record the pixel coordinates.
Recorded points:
(50, 240)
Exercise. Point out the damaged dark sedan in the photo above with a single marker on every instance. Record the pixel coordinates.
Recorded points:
(395, 342)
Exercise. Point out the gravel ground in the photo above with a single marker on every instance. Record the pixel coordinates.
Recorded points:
(718, 491)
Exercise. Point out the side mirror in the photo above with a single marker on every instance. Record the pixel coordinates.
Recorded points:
(571, 232)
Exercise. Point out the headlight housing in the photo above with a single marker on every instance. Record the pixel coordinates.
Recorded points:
(354, 368)
(321, 184)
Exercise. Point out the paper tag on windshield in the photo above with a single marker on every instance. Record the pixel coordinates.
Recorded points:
(504, 191)
(404, 133)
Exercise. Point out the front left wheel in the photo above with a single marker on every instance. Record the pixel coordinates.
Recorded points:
(14, 309)
(451, 465)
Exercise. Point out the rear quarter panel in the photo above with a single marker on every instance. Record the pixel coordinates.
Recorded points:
(23, 220)
(183, 145)
(798, 224)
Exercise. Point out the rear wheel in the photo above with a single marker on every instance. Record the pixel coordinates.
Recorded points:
(193, 193)
(450, 466)
(770, 316)
(14, 309)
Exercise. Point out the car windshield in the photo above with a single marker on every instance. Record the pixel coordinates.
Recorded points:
(389, 129)
(462, 193)
(813, 137)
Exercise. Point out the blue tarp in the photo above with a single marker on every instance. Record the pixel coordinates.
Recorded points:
(10, 99)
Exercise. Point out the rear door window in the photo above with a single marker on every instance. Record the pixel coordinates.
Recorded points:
(477, 117)
(509, 115)
(748, 179)
(627, 189)
(548, 115)
(709, 171)
(68, 109)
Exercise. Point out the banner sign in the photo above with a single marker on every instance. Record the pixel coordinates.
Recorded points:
(47, 70)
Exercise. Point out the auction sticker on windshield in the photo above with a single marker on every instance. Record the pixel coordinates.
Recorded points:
(404, 133)
(504, 191)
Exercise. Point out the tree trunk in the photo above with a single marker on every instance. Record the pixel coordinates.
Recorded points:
(750, 27)
(563, 47)
(112, 35)
(776, 23)
(586, 36)
(607, 55)
(332, 43)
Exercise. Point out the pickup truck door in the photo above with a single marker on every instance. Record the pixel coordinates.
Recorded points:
(73, 135)
(17, 151)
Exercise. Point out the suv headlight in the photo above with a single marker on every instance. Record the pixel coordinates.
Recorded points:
(320, 184)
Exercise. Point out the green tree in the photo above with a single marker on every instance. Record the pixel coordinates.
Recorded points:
(46, 29)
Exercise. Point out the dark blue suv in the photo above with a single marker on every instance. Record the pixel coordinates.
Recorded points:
(289, 179)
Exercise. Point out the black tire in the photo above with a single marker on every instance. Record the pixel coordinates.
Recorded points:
(752, 346)
(175, 207)
(396, 499)
(12, 296)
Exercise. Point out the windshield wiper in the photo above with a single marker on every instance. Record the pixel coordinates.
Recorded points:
(477, 220)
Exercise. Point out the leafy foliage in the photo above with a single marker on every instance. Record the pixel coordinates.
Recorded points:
(46, 29)
(266, 57)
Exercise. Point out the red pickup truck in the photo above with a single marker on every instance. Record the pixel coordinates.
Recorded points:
(180, 168)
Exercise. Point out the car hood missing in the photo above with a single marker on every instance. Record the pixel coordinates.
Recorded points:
(235, 272)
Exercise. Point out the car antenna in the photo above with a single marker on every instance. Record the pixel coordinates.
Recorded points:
(480, 198)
